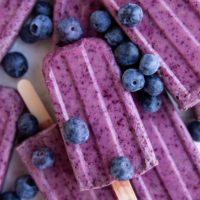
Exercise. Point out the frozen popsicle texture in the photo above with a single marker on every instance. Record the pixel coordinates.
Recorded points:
(11, 107)
(178, 172)
(13, 13)
(78, 9)
(57, 182)
(172, 30)
(84, 81)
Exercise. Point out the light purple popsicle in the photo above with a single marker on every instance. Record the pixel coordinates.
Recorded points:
(84, 81)
(11, 106)
(13, 13)
(170, 29)
(57, 182)
(177, 175)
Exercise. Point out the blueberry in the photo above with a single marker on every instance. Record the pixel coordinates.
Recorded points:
(151, 103)
(149, 64)
(130, 14)
(27, 125)
(43, 8)
(194, 129)
(153, 85)
(76, 131)
(25, 187)
(115, 36)
(43, 158)
(100, 21)
(9, 196)
(69, 30)
(15, 64)
(41, 26)
(122, 169)
(127, 53)
(133, 80)
(26, 35)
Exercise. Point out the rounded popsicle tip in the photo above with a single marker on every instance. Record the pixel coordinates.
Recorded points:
(43, 158)
(130, 14)
(133, 80)
(100, 20)
(122, 168)
(194, 129)
(149, 64)
(69, 30)
(76, 131)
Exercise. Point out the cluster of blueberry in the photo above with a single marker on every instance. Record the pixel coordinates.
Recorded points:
(139, 72)
(25, 188)
(40, 27)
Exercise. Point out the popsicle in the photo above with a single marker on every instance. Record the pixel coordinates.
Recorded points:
(178, 172)
(11, 106)
(77, 9)
(12, 16)
(171, 30)
(84, 81)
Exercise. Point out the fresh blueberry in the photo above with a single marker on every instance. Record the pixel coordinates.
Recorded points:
(127, 53)
(27, 125)
(43, 158)
(115, 36)
(41, 26)
(151, 103)
(43, 8)
(100, 21)
(9, 196)
(15, 64)
(153, 85)
(76, 131)
(133, 80)
(122, 169)
(130, 14)
(149, 64)
(69, 30)
(25, 187)
(194, 129)
(26, 35)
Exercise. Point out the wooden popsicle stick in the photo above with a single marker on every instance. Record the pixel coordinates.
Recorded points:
(197, 111)
(122, 189)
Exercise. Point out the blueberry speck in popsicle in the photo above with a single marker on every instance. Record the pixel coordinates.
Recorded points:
(150, 103)
(43, 158)
(76, 131)
(115, 36)
(154, 86)
(194, 129)
(122, 169)
(41, 26)
(101, 21)
(43, 8)
(149, 64)
(15, 64)
(69, 30)
(26, 35)
(25, 187)
(127, 54)
(133, 80)
(130, 14)
(27, 125)
(9, 196)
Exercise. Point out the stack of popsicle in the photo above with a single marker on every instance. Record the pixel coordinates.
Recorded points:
(13, 14)
(11, 107)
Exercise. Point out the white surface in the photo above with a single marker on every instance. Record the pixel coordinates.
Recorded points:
(35, 54)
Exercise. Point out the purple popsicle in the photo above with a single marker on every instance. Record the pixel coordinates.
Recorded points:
(84, 81)
(13, 13)
(171, 30)
(11, 106)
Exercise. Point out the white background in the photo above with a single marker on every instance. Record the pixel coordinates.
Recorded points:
(35, 54)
